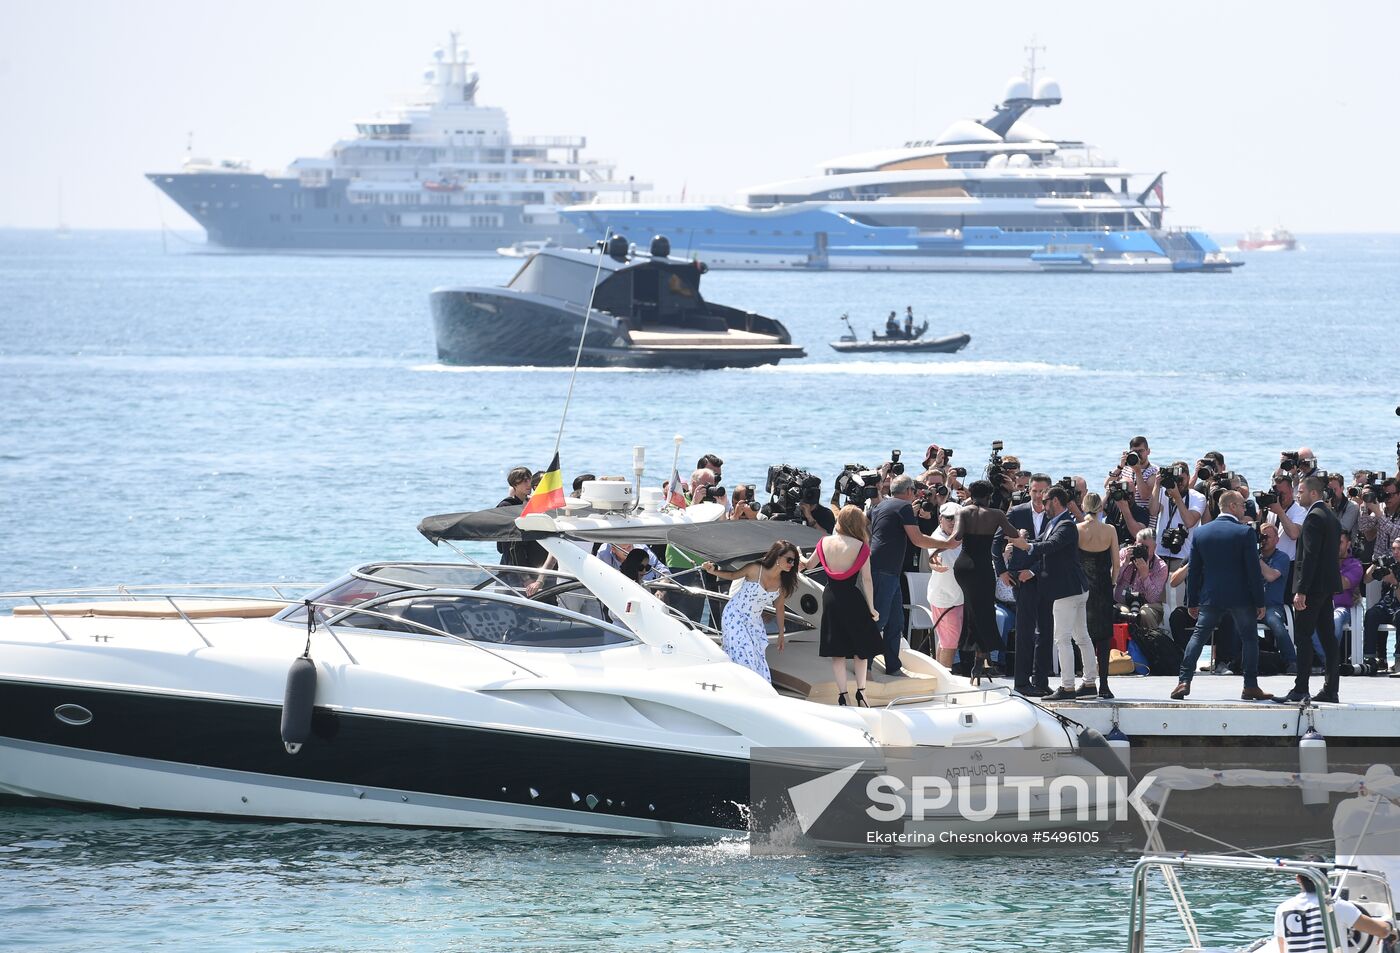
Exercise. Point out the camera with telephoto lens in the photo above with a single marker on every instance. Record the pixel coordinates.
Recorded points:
(1383, 566)
(1169, 480)
(1131, 605)
(1119, 492)
(788, 488)
(1265, 499)
(1140, 551)
(1175, 538)
(959, 472)
(1132, 458)
(1204, 471)
(1289, 461)
(1370, 665)
(1354, 492)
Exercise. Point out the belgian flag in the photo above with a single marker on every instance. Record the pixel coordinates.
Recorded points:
(549, 495)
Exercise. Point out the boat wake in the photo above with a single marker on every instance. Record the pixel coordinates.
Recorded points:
(925, 368)
(841, 368)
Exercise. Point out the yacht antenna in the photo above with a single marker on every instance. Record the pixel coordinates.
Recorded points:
(1030, 70)
(573, 376)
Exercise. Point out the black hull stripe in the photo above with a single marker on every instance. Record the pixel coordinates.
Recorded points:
(390, 754)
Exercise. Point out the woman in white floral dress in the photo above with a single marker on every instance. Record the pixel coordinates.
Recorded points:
(767, 582)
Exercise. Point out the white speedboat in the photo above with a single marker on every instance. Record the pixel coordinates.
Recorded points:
(440, 695)
(526, 249)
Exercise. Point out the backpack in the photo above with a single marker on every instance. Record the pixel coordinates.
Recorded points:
(1161, 651)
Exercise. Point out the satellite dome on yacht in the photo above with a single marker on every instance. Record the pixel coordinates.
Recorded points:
(1023, 131)
(1047, 91)
(1016, 89)
(964, 131)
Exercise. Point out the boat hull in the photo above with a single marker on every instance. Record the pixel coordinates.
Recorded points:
(492, 327)
(944, 345)
(186, 755)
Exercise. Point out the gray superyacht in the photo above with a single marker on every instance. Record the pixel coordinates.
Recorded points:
(438, 175)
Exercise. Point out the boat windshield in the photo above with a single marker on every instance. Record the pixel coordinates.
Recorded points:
(479, 619)
(557, 277)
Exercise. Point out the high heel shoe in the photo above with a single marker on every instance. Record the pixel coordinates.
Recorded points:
(841, 699)
(860, 698)
(979, 672)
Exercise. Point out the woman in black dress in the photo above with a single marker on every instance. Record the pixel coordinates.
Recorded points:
(1098, 554)
(977, 522)
(848, 602)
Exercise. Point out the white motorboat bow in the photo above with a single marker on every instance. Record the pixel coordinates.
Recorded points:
(440, 695)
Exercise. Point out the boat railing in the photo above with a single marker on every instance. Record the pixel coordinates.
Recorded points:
(1169, 864)
(944, 697)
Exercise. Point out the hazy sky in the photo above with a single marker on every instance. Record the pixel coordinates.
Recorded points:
(1260, 112)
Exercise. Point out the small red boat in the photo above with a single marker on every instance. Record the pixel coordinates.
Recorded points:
(443, 185)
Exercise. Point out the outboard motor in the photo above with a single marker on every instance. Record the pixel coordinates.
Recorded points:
(300, 696)
(617, 248)
(661, 247)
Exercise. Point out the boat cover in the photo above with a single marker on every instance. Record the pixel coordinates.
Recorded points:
(496, 525)
(733, 543)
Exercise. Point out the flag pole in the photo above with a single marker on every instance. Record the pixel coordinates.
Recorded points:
(603, 250)
(675, 462)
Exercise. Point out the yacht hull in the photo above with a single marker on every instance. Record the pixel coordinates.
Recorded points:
(147, 751)
(484, 327)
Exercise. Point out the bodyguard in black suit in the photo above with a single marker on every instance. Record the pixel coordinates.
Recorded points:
(1317, 577)
(1034, 615)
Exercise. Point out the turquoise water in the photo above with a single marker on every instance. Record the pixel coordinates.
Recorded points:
(186, 417)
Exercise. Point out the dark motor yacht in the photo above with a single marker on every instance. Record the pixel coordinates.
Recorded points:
(647, 312)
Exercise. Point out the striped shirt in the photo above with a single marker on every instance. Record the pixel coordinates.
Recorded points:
(1299, 922)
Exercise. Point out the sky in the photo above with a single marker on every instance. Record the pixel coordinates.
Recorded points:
(1261, 113)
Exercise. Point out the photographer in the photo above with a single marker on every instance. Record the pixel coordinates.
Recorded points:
(1145, 573)
(1348, 511)
(1135, 468)
(1273, 565)
(743, 506)
(1386, 611)
(704, 486)
(1184, 509)
(1380, 514)
(1286, 514)
(1123, 513)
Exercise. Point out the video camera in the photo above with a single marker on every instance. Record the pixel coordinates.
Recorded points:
(1002, 476)
(857, 484)
(788, 488)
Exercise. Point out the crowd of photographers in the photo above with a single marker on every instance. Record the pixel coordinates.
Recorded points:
(1154, 508)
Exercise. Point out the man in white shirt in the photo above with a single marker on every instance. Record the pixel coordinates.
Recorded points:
(1287, 515)
(1298, 921)
(1176, 506)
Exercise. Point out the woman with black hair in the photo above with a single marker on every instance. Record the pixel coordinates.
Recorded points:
(977, 521)
(765, 583)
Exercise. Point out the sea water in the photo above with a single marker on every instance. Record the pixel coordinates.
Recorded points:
(171, 416)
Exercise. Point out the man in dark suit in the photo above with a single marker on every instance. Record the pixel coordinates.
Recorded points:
(1224, 580)
(1034, 629)
(1316, 577)
(1064, 585)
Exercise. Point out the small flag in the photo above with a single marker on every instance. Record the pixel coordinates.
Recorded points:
(1157, 190)
(549, 495)
(676, 497)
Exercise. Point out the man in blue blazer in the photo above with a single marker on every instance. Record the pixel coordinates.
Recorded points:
(1064, 585)
(1034, 628)
(1224, 580)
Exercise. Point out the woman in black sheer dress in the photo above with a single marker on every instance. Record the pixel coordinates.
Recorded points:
(976, 524)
